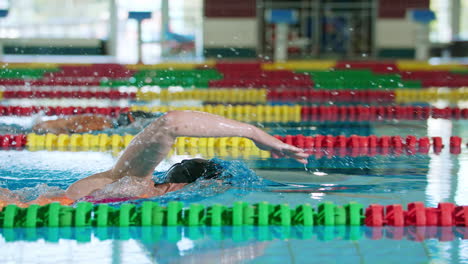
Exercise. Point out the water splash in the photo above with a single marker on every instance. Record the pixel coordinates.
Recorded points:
(236, 173)
(124, 187)
(235, 176)
(28, 194)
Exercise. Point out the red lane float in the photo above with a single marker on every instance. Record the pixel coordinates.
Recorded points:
(19, 141)
(223, 67)
(375, 66)
(355, 141)
(375, 113)
(250, 74)
(436, 78)
(58, 110)
(368, 145)
(261, 83)
(113, 94)
(329, 153)
(13, 141)
(264, 75)
(319, 145)
(308, 113)
(56, 81)
(446, 214)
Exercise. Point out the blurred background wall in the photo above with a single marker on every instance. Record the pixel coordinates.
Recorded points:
(196, 29)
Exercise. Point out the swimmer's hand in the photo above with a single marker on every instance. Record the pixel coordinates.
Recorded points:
(281, 149)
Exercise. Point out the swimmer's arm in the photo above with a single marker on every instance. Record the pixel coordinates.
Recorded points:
(88, 185)
(88, 123)
(151, 145)
(74, 124)
(201, 124)
(58, 126)
(139, 159)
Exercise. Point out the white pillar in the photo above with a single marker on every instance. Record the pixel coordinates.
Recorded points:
(422, 41)
(112, 40)
(140, 42)
(281, 43)
(455, 18)
(164, 24)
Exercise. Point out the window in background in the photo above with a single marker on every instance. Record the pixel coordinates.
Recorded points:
(37, 19)
(86, 23)
(4, 4)
(178, 40)
(184, 32)
(128, 31)
(441, 30)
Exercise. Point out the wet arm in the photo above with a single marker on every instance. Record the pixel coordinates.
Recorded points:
(151, 145)
(201, 124)
(58, 126)
(74, 124)
(88, 123)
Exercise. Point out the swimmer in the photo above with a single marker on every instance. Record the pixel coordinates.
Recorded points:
(151, 146)
(93, 122)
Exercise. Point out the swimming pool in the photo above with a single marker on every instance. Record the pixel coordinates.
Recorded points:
(379, 179)
(385, 178)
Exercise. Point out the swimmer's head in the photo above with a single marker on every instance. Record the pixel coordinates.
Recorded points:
(190, 170)
(127, 118)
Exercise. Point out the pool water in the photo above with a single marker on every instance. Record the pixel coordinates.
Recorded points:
(383, 179)
(226, 245)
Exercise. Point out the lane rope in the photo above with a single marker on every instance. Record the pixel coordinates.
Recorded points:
(239, 214)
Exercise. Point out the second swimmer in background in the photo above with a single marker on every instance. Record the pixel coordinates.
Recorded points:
(136, 120)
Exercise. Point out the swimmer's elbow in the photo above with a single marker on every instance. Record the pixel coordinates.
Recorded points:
(74, 193)
(172, 116)
(168, 122)
(39, 128)
(168, 125)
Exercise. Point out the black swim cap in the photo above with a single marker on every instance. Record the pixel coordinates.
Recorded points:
(127, 118)
(189, 171)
